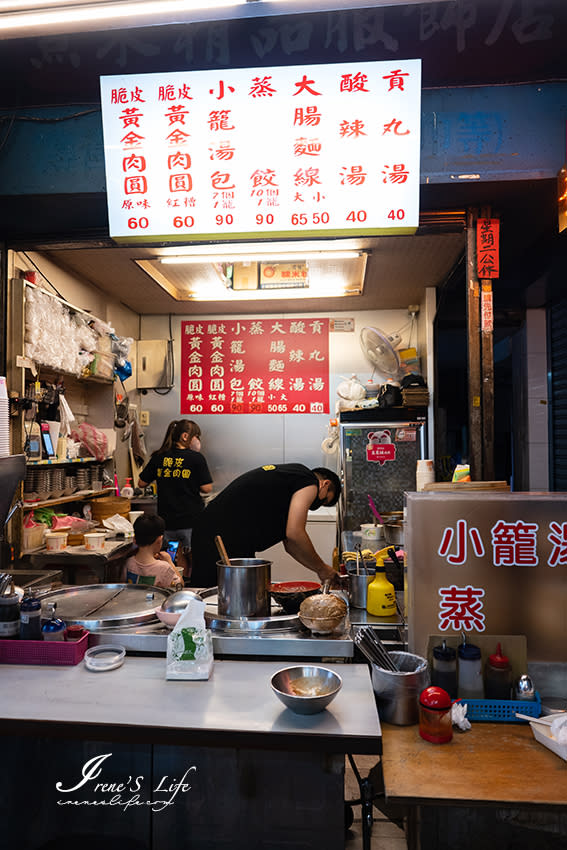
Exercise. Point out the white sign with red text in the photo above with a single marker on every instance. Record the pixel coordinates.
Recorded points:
(303, 150)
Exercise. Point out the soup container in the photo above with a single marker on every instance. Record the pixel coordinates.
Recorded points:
(94, 541)
(371, 531)
(55, 541)
(244, 588)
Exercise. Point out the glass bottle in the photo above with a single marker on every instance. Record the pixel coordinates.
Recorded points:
(9, 616)
(30, 617)
(470, 682)
(444, 669)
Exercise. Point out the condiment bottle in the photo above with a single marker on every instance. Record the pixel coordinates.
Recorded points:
(53, 628)
(127, 491)
(381, 596)
(435, 722)
(30, 617)
(498, 676)
(444, 669)
(470, 671)
(9, 616)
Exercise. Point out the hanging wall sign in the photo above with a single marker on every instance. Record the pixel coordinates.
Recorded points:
(255, 366)
(306, 150)
(488, 247)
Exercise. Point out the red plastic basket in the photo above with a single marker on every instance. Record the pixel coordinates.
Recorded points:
(57, 652)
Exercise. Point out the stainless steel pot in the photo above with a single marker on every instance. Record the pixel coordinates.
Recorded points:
(243, 588)
(394, 533)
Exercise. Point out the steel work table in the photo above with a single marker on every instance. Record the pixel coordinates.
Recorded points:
(261, 775)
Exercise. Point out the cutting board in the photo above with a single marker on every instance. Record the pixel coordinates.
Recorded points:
(466, 486)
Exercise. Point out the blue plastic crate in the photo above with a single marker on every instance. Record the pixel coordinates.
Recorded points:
(501, 710)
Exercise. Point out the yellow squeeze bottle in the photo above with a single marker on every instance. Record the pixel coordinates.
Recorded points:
(381, 598)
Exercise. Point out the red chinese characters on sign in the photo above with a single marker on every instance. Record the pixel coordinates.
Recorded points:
(460, 609)
(488, 247)
(512, 544)
(255, 366)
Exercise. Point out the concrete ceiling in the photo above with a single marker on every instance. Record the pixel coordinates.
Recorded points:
(398, 271)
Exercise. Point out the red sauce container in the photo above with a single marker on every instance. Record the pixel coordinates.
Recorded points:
(435, 715)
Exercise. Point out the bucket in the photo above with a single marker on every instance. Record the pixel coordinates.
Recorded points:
(243, 588)
(397, 694)
(56, 541)
(94, 541)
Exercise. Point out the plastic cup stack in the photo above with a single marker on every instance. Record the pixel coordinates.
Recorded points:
(4, 419)
(425, 473)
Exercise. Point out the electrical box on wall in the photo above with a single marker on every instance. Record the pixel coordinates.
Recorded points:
(154, 364)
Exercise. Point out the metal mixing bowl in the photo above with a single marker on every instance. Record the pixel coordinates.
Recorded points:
(324, 684)
(178, 601)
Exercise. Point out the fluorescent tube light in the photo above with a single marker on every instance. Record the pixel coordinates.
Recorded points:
(268, 257)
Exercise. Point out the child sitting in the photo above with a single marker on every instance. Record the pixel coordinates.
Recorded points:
(149, 565)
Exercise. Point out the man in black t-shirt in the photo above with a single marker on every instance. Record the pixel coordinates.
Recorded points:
(260, 508)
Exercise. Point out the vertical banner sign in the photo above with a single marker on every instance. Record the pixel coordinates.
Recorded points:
(487, 248)
(304, 150)
(255, 366)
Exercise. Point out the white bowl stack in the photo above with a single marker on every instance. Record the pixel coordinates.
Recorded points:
(4, 419)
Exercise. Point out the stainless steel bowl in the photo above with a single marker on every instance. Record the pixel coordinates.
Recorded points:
(178, 601)
(306, 689)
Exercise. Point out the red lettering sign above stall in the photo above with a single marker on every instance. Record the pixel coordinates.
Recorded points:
(488, 248)
(255, 366)
(304, 150)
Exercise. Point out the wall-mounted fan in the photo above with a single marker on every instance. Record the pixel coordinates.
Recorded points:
(380, 350)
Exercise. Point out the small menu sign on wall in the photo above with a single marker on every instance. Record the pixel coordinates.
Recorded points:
(255, 366)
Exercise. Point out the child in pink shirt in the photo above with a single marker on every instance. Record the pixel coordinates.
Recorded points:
(149, 565)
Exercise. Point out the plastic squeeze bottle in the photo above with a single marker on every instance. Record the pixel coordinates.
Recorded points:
(498, 676)
(127, 491)
(381, 596)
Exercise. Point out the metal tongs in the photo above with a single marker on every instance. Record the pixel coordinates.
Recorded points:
(359, 558)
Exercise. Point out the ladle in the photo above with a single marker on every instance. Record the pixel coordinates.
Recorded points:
(222, 551)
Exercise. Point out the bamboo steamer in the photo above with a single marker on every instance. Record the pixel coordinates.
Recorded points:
(108, 506)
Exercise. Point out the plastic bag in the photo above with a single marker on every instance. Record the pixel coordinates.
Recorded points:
(190, 645)
(117, 522)
(92, 439)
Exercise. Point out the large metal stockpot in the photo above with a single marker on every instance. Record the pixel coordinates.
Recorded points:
(243, 588)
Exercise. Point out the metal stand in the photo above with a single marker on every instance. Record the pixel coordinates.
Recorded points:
(367, 795)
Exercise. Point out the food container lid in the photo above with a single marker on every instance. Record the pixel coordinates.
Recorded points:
(469, 652)
(444, 652)
(104, 657)
(435, 698)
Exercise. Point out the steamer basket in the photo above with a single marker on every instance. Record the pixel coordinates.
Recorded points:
(108, 506)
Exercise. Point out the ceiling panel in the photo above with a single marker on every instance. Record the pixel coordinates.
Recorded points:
(399, 269)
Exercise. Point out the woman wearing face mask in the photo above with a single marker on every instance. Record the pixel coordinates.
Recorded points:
(182, 475)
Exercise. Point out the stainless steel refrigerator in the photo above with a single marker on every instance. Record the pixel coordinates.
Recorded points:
(379, 450)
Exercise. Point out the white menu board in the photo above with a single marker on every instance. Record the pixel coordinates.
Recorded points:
(302, 150)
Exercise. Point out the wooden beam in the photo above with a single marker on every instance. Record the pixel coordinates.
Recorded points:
(474, 354)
